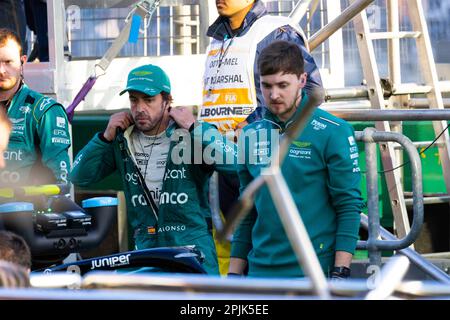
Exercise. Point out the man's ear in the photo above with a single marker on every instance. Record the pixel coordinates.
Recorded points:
(23, 59)
(303, 78)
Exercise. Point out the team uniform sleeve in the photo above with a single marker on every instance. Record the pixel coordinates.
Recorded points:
(286, 33)
(54, 142)
(242, 237)
(344, 186)
(93, 163)
(216, 152)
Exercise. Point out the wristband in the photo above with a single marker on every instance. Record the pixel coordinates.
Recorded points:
(340, 273)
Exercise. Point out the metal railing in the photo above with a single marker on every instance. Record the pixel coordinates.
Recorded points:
(370, 136)
(380, 239)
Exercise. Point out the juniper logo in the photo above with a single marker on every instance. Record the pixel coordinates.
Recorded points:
(115, 261)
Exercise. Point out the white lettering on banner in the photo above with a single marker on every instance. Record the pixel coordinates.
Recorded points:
(12, 155)
(121, 260)
(173, 198)
(354, 155)
(60, 122)
(9, 176)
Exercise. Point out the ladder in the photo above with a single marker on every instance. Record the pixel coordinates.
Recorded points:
(401, 91)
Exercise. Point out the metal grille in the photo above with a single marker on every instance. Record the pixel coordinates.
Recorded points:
(173, 30)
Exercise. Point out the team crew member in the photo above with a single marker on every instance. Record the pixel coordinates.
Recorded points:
(167, 202)
(40, 133)
(231, 93)
(321, 170)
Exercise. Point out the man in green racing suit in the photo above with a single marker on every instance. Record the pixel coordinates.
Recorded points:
(38, 145)
(165, 159)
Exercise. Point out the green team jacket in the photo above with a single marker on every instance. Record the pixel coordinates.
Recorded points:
(184, 215)
(322, 172)
(40, 136)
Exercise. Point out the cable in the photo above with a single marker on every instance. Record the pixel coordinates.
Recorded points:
(421, 152)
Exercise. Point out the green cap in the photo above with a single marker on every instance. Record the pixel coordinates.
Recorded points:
(148, 79)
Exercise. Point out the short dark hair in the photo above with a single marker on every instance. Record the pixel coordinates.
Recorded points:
(166, 97)
(281, 56)
(13, 248)
(8, 34)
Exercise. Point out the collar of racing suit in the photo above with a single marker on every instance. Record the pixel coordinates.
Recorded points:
(221, 29)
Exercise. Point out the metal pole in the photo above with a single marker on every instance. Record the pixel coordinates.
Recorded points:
(346, 15)
(393, 43)
(391, 115)
(416, 173)
(391, 276)
(401, 89)
(372, 196)
(300, 10)
(296, 231)
(413, 256)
